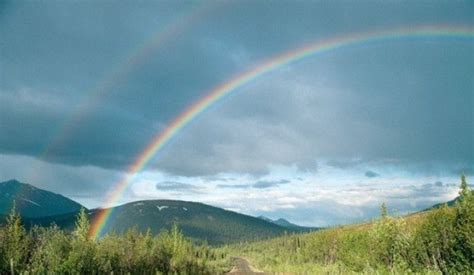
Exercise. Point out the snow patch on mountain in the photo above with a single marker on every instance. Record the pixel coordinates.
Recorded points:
(162, 207)
(30, 201)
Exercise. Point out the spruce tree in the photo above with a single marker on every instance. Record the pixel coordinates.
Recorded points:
(16, 242)
(383, 210)
(81, 259)
(464, 229)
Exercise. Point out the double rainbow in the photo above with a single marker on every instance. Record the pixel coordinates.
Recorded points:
(232, 85)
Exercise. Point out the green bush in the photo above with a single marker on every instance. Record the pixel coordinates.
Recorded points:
(49, 250)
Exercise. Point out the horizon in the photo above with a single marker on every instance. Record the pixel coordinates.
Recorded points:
(284, 110)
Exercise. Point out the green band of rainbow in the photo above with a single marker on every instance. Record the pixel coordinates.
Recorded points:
(272, 64)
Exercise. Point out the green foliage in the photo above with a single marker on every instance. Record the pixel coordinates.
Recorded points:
(49, 250)
(51, 247)
(438, 241)
(197, 221)
(83, 249)
(464, 230)
(434, 241)
(389, 240)
(15, 244)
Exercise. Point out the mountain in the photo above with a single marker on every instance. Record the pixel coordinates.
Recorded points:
(448, 203)
(32, 202)
(198, 221)
(286, 224)
(438, 205)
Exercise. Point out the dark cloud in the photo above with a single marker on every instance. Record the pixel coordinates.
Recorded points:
(176, 186)
(344, 164)
(86, 184)
(217, 178)
(371, 174)
(267, 184)
(236, 186)
(380, 103)
(259, 184)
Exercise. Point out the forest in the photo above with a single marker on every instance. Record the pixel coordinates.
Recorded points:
(438, 241)
(50, 250)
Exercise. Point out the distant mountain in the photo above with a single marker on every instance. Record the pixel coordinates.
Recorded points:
(286, 224)
(438, 205)
(198, 221)
(449, 203)
(32, 202)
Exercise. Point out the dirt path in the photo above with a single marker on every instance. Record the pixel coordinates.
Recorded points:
(242, 267)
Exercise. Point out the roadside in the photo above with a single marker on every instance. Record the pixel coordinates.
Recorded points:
(243, 267)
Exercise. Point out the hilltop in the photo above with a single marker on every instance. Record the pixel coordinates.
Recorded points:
(32, 202)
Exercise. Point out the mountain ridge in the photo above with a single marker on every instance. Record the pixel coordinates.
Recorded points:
(33, 202)
(198, 221)
(286, 224)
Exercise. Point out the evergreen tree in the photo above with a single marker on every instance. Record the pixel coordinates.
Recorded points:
(464, 229)
(82, 226)
(81, 259)
(16, 243)
(383, 210)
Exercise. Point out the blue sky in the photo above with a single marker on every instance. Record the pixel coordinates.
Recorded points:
(322, 141)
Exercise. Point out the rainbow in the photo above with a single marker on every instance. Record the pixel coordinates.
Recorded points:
(187, 19)
(227, 87)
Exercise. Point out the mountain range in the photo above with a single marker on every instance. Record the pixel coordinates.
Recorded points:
(197, 221)
(284, 223)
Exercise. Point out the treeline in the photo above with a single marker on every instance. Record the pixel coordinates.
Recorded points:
(50, 250)
(438, 241)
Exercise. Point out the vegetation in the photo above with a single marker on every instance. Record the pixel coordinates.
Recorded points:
(49, 250)
(197, 221)
(432, 242)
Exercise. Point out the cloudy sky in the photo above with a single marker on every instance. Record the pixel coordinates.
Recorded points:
(85, 86)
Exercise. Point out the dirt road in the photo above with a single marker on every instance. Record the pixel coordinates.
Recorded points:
(242, 267)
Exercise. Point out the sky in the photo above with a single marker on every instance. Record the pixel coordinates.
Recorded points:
(86, 85)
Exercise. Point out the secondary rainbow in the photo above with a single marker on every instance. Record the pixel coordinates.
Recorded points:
(182, 23)
(227, 87)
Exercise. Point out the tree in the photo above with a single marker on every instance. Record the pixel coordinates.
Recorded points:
(52, 247)
(464, 229)
(383, 210)
(82, 226)
(390, 240)
(81, 259)
(15, 247)
(434, 241)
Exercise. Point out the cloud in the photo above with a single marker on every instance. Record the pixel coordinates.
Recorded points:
(85, 184)
(352, 106)
(371, 174)
(234, 186)
(176, 186)
(268, 184)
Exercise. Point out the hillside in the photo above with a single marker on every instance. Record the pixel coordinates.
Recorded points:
(435, 241)
(196, 220)
(448, 203)
(286, 224)
(32, 202)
